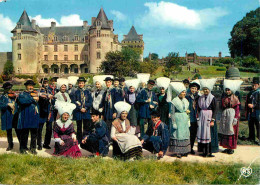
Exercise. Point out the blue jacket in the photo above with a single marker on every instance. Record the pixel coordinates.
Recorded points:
(119, 94)
(45, 107)
(144, 108)
(193, 112)
(6, 112)
(28, 111)
(108, 106)
(77, 114)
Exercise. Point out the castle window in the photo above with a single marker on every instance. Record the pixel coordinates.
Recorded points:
(55, 38)
(45, 57)
(86, 48)
(76, 38)
(66, 57)
(19, 26)
(45, 48)
(55, 48)
(98, 33)
(86, 57)
(98, 44)
(55, 57)
(65, 38)
(98, 23)
(19, 46)
(45, 39)
(65, 47)
(18, 35)
(76, 57)
(98, 55)
(86, 38)
(19, 57)
(76, 48)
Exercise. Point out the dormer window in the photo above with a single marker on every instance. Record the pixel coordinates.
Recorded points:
(19, 26)
(45, 39)
(55, 38)
(98, 23)
(76, 38)
(65, 38)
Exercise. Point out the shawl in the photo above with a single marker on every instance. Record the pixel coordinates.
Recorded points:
(118, 126)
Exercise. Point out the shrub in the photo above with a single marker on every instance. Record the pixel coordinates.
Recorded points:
(221, 69)
(24, 76)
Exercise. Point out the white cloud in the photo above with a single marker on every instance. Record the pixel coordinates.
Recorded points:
(6, 26)
(118, 15)
(167, 14)
(70, 20)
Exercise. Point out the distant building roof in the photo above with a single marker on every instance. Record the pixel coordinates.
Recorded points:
(25, 23)
(102, 17)
(132, 35)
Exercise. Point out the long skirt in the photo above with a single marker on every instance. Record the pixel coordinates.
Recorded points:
(229, 141)
(134, 152)
(132, 116)
(179, 146)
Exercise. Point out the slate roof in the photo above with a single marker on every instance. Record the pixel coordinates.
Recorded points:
(102, 17)
(132, 35)
(25, 23)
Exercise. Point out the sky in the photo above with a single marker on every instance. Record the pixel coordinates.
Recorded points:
(202, 26)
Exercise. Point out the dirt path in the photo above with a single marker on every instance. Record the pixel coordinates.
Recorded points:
(243, 154)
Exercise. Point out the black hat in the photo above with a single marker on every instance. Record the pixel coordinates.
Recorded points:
(94, 112)
(155, 113)
(152, 82)
(116, 79)
(54, 79)
(186, 81)
(256, 80)
(29, 82)
(122, 80)
(44, 80)
(194, 84)
(7, 85)
(108, 79)
(81, 79)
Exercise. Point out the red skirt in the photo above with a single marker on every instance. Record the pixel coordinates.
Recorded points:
(73, 152)
(229, 141)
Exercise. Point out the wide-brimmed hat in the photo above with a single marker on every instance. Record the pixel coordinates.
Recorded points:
(94, 112)
(152, 82)
(194, 84)
(7, 85)
(29, 82)
(256, 80)
(108, 79)
(81, 79)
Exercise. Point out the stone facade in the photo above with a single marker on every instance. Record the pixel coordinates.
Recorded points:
(57, 50)
(4, 57)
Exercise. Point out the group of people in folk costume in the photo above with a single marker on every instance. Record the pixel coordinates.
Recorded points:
(129, 114)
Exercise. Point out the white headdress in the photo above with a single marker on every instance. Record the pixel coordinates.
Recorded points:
(196, 81)
(143, 77)
(132, 82)
(122, 106)
(101, 78)
(208, 83)
(178, 87)
(73, 80)
(64, 107)
(233, 85)
(62, 81)
(163, 82)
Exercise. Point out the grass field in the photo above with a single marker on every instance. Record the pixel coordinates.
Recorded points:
(26, 169)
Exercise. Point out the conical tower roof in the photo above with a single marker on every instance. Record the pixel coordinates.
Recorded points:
(132, 35)
(25, 23)
(102, 17)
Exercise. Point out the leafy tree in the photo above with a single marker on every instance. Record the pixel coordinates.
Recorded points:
(250, 62)
(154, 56)
(149, 66)
(8, 68)
(245, 36)
(173, 64)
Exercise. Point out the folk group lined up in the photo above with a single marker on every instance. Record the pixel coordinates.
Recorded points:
(129, 115)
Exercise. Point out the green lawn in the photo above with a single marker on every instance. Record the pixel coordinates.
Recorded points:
(26, 169)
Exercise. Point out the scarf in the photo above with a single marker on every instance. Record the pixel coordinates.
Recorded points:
(230, 101)
(117, 124)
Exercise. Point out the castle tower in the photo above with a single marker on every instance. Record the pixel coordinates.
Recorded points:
(133, 40)
(102, 40)
(24, 46)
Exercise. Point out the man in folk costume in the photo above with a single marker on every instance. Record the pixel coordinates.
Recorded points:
(148, 102)
(98, 92)
(125, 144)
(228, 127)
(123, 85)
(83, 102)
(46, 107)
(251, 113)
(72, 86)
(8, 111)
(28, 120)
(130, 98)
(118, 91)
(163, 105)
(63, 131)
(53, 89)
(207, 135)
(108, 102)
(193, 98)
(180, 123)
(156, 138)
(143, 77)
(96, 140)
(62, 95)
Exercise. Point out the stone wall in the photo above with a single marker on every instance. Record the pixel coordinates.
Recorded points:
(4, 56)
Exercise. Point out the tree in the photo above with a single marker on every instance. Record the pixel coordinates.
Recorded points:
(245, 36)
(154, 56)
(173, 64)
(250, 62)
(8, 68)
(149, 66)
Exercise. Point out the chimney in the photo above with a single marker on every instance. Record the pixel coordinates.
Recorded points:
(33, 23)
(85, 23)
(53, 25)
(220, 54)
(93, 20)
(111, 25)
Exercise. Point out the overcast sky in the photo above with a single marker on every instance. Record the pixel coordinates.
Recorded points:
(178, 25)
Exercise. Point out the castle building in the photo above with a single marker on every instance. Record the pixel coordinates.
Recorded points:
(64, 49)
